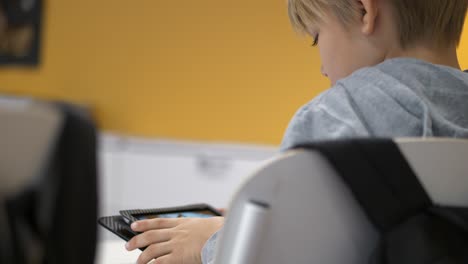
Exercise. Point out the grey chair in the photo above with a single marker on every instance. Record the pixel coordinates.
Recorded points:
(296, 209)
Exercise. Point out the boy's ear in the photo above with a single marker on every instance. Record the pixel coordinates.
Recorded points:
(369, 13)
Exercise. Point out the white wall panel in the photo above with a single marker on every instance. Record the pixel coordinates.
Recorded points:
(138, 173)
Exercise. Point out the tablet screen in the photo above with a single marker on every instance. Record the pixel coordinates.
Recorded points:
(194, 214)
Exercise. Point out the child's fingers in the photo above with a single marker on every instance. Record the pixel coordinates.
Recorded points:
(156, 223)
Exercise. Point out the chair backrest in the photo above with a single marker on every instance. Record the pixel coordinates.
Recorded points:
(296, 209)
(28, 132)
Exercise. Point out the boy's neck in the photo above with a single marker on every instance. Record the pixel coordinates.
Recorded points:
(446, 56)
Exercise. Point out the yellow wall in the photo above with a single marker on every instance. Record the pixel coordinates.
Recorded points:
(204, 70)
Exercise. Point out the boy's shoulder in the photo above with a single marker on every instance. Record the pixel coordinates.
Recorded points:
(395, 98)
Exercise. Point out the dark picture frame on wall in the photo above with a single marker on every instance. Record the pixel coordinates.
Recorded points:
(20, 32)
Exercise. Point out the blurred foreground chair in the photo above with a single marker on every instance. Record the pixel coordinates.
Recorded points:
(48, 192)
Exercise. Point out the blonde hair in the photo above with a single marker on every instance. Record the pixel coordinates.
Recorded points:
(439, 22)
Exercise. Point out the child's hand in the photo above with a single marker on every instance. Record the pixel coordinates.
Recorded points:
(173, 240)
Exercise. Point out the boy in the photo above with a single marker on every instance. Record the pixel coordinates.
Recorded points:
(395, 73)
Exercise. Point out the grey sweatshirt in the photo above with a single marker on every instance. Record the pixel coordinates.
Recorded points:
(398, 98)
